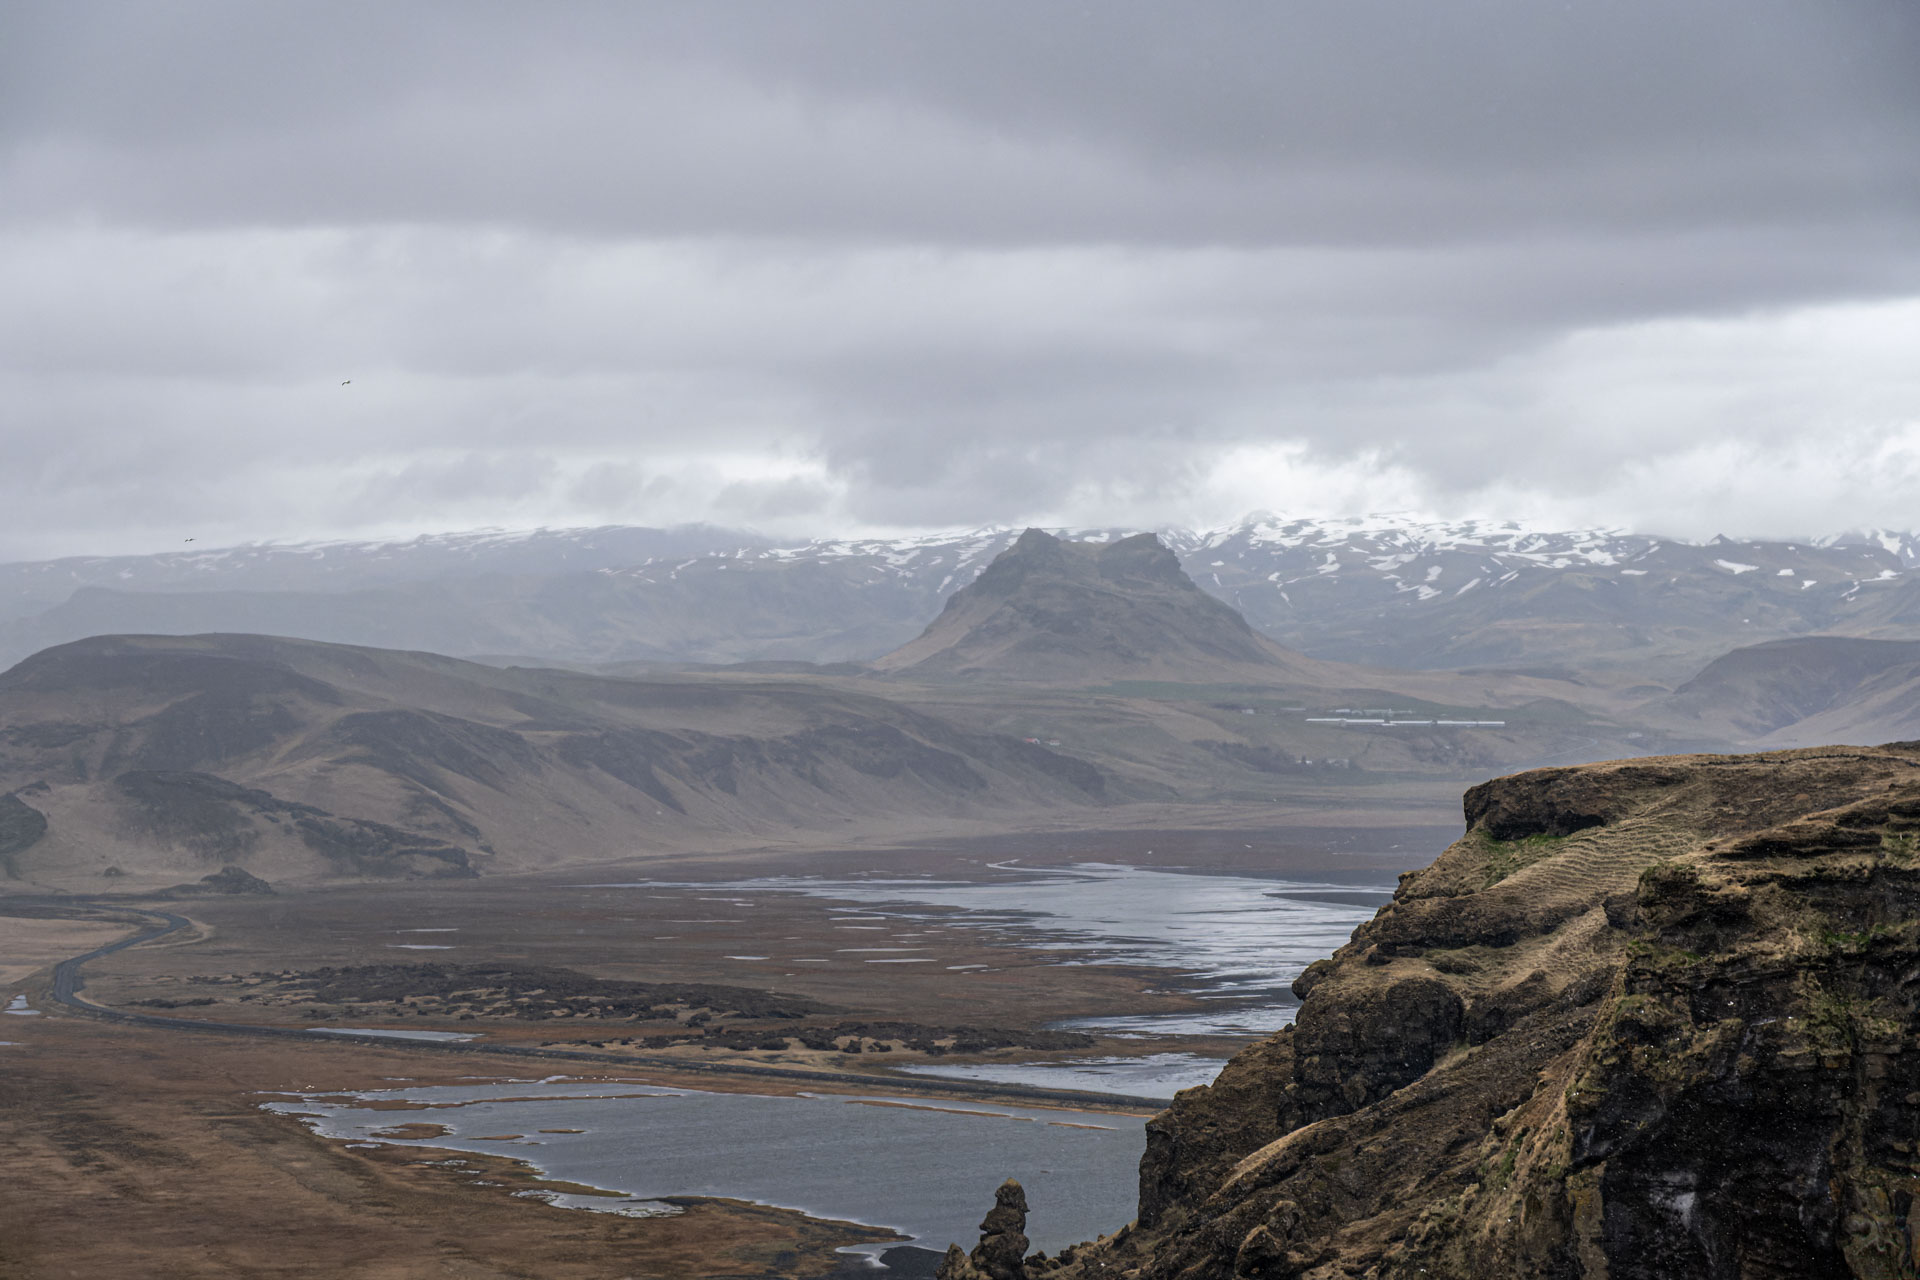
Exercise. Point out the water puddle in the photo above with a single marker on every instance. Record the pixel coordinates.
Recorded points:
(395, 1034)
(19, 1009)
(625, 1206)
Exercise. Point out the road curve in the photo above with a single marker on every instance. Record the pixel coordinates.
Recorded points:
(69, 982)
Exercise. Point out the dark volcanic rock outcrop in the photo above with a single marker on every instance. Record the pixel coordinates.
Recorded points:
(1654, 1020)
(1001, 1253)
(535, 993)
(231, 881)
(1088, 612)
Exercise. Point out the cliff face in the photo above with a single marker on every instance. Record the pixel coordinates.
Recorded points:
(1654, 1019)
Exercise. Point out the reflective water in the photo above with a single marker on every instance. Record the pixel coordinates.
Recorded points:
(1235, 941)
(925, 1169)
(1153, 1075)
(394, 1034)
(1243, 939)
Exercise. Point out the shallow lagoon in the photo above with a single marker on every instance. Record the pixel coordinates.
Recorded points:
(1242, 938)
(929, 1170)
(926, 1169)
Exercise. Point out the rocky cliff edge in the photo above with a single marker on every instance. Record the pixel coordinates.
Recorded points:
(1647, 1020)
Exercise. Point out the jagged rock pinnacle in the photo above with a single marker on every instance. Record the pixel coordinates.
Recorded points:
(1002, 1251)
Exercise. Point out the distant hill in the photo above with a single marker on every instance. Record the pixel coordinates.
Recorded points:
(1465, 594)
(1381, 591)
(1087, 613)
(172, 757)
(1805, 692)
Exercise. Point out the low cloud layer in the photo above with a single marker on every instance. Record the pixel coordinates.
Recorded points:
(336, 270)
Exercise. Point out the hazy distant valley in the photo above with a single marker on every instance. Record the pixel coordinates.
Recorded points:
(1061, 684)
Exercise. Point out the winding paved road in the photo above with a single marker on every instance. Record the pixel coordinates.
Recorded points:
(69, 982)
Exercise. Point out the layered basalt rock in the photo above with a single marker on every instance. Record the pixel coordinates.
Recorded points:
(1649, 1019)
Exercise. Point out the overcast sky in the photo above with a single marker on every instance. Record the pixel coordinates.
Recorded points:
(276, 271)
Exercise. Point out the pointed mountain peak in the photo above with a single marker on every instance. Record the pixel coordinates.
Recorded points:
(1087, 612)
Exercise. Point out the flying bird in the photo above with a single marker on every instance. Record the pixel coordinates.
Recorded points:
(189, 539)
(347, 383)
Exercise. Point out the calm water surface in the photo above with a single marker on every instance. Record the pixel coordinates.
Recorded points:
(1152, 1075)
(926, 1169)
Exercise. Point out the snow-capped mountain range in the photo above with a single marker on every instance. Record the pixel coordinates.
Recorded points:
(1385, 589)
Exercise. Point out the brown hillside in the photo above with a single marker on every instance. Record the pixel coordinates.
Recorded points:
(1806, 687)
(170, 757)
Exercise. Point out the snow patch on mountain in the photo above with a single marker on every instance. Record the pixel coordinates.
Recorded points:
(1260, 564)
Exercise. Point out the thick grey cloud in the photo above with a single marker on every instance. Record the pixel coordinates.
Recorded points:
(963, 121)
(871, 264)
